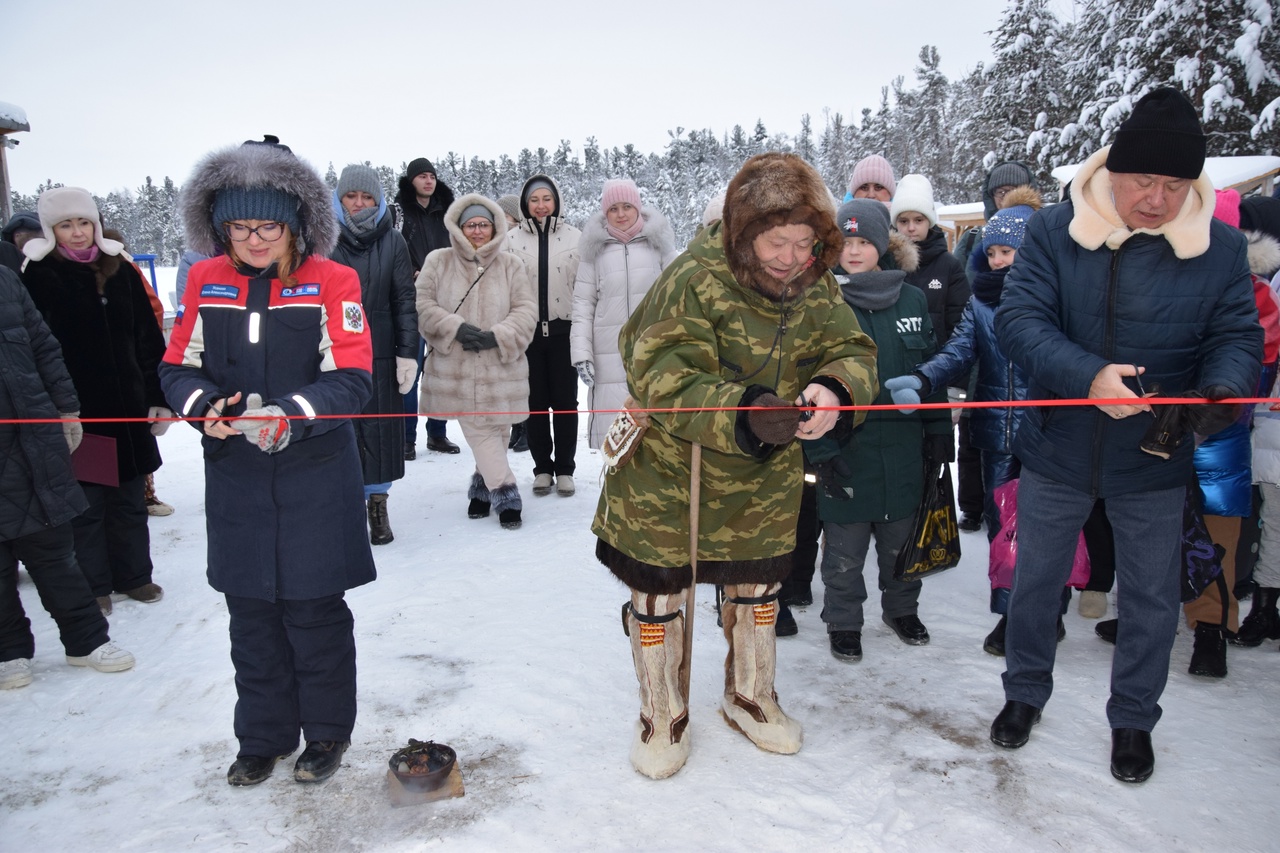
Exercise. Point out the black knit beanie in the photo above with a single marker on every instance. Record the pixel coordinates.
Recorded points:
(1162, 136)
(419, 166)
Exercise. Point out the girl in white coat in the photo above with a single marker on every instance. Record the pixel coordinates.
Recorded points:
(623, 249)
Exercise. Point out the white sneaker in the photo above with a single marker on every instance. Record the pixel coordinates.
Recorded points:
(564, 485)
(542, 484)
(15, 673)
(107, 657)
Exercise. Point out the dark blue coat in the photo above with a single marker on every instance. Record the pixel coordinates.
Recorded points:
(1068, 311)
(290, 524)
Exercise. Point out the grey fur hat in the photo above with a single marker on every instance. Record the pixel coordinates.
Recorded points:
(250, 167)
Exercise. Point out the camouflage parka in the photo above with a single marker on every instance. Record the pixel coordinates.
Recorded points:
(698, 340)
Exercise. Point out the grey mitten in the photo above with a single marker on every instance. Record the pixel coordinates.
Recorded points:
(72, 430)
(160, 418)
(468, 336)
(586, 372)
(265, 426)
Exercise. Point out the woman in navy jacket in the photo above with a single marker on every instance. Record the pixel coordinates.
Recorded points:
(269, 344)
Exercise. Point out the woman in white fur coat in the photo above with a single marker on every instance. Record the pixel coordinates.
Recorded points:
(623, 249)
(477, 310)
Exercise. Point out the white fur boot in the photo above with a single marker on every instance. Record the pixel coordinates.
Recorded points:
(750, 704)
(656, 628)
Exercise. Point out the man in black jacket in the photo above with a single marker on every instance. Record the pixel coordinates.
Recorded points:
(423, 199)
(1131, 287)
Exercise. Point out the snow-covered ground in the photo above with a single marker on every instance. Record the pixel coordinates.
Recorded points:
(508, 646)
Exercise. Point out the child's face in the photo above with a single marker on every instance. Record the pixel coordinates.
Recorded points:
(1000, 257)
(859, 255)
(914, 225)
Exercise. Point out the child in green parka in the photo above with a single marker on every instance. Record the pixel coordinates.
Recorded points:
(872, 482)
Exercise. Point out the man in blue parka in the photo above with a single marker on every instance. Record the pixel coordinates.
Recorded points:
(1130, 288)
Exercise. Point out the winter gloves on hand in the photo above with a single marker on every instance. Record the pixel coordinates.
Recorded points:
(1206, 420)
(939, 449)
(777, 422)
(72, 430)
(265, 426)
(406, 372)
(832, 473)
(905, 391)
(586, 372)
(160, 418)
(474, 340)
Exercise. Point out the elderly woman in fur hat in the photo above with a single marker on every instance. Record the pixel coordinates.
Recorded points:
(95, 303)
(742, 346)
(477, 310)
(270, 349)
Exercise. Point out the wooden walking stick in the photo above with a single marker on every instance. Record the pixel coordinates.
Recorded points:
(695, 501)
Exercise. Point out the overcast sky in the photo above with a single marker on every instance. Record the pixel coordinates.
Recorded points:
(115, 92)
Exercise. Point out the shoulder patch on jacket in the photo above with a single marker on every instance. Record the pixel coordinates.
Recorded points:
(352, 317)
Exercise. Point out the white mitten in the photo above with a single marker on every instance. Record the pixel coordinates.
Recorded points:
(265, 426)
(406, 372)
(586, 372)
(72, 430)
(159, 415)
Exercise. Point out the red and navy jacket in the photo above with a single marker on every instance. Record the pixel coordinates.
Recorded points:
(305, 348)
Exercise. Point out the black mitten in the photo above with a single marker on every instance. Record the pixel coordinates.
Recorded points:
(832, 474)
(939, 449)
(1207, 419)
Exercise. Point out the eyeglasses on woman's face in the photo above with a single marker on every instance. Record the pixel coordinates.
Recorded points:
(268, 232)
(482, 225)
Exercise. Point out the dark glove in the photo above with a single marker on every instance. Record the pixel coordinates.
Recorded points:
(467, 335)
(939, 449)
(485, 340)
(1206, 419)
(1166, 432)
(775, 424)
(832, 474)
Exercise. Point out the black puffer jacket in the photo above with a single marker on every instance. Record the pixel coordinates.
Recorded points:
(943, 281)
(423, 228)
(112, 346)
(37, 487)
(381, 259)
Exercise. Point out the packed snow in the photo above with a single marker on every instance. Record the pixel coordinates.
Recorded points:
(507, 645)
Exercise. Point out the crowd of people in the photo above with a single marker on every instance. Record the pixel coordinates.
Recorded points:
(724, 382)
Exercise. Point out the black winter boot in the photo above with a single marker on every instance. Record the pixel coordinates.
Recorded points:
(785, 625)
(994, 643)
(479, 495)
(1209, 654)
(379, 525)
(1263, 621)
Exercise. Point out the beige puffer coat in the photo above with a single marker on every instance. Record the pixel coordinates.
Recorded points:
(488, 288)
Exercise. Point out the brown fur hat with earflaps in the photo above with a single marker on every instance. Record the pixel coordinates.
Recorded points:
(770, 190)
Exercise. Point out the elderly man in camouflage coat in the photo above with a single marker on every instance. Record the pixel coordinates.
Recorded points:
(747, 316)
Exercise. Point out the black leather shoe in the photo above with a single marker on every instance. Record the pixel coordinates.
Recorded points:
(1012, 726)
(994, 643)
(1132, 759)
(320, 760)
(441, 444)
(909, 629)
(1106, 630)
(478, 509)
(251, 769)
(1209, 654)
(970, 521)
(410, 452)
(846, 645)
(785, 625)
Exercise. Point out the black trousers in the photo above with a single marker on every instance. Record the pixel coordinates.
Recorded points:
(808, 529)
(1100, 542)
(295, 667)
(553, 384)
(50, 560)
(113, 543)
(969, 469)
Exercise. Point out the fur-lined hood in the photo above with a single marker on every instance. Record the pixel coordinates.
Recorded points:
(257, 166)
(1096, 222)
(1260, 222)
(775, 189)
(902, 252)
(1025, 196)
(527, 222)
(1264, 253)
(458, 237)
(657, 230)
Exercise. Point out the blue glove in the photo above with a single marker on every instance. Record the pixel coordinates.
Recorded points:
(905, 391)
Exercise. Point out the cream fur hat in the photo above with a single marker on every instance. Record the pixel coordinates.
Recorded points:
(58, 204)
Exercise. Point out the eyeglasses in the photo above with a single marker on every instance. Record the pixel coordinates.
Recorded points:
(268, 232)
(477, 226)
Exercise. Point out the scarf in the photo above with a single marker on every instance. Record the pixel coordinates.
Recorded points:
(627, 235)
(987, 285)
(871, 291)
(362, 222)
(81, 256)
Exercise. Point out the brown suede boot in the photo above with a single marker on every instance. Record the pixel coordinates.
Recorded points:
(750, 704)
(656, 628)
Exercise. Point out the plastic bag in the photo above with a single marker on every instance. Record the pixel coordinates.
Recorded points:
(1004, 548)
(934, 544)
(1201, 556)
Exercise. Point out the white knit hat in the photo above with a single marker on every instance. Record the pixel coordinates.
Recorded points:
(914, 195)
(61, 203)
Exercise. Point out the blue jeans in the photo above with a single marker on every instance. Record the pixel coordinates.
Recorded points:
(1148, 539)
(843, 557)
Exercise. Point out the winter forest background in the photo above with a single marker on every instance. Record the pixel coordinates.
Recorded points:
(1054, 94)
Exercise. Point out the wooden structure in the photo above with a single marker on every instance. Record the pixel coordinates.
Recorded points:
(12, 120)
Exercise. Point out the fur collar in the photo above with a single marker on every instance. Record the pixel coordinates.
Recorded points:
(904, 253)
(1022, 196)
(1264, 253)
(486, 253)
(656, 230)
(1096, 223)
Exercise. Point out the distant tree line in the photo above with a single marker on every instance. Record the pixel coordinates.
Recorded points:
(1055, 93)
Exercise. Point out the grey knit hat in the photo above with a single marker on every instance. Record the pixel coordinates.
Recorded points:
(865, 218)
(474, 210)
(1010, 174)
(510, 205)
(359, 178)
